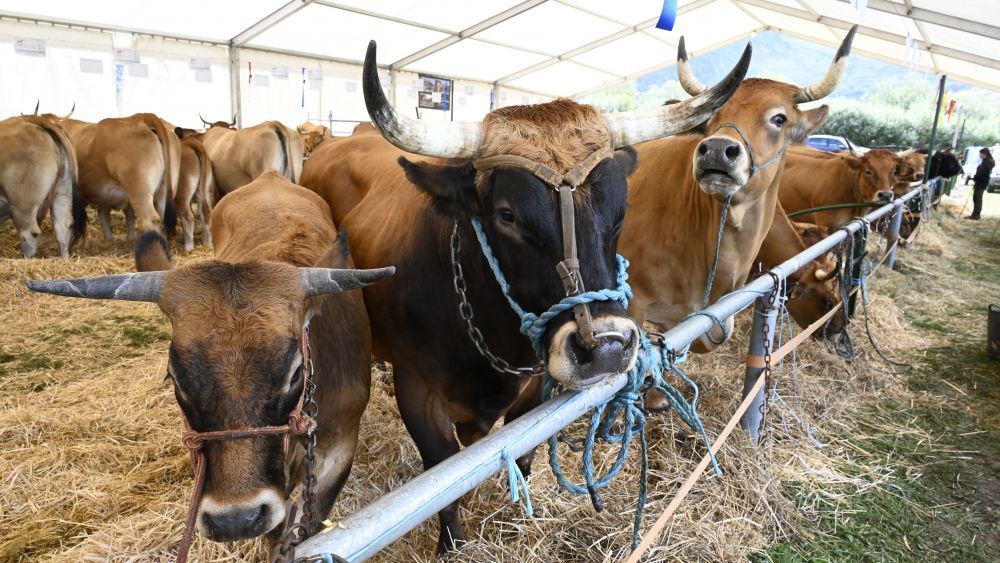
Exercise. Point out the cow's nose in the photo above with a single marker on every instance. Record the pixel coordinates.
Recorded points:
(885, 196)
(722, 148)
(236, 523)
(920, 176)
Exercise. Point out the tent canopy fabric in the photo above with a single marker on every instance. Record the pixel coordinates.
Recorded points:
(548, 47)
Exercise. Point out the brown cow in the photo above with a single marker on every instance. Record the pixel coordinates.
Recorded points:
(418, 214)
(238, 157)
(815, 178)
(38, 172)
(129, 163)
(236, 358)
(814, 287)
(312, 136)
(909, 169)
(194, 184)
(676, 197)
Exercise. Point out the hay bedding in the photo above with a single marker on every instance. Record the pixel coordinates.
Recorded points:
(93, 468)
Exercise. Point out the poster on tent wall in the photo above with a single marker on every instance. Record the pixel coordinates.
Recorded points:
(434, 93)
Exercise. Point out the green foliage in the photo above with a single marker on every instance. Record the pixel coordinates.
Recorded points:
(901, 113)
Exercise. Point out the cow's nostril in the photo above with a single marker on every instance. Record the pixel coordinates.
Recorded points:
(702, 149)
(733, 152)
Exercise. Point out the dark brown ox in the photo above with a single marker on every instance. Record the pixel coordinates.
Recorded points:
(813, 288)
(38, 173)
(129, 163)
(240, 156)
(236, 356)
(403, 210)
(815, 178)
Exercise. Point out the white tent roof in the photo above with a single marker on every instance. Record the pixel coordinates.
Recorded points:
(548, 47)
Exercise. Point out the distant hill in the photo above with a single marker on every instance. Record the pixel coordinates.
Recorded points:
(795, 61)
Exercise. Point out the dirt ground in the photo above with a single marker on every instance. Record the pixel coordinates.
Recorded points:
(93, 468)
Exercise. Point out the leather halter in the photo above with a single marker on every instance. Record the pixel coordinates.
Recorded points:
(564, 185)
(299, 423)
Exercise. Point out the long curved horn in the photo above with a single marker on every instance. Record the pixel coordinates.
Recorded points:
(829, 82)
(37, 104)
(71, 110)
(320, 281)
(631, 127)
(684, 73)
(429, 138)
(203, 121)
(233, 122)
(141, 286)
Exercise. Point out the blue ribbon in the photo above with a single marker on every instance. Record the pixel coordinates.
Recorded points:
(667, 15)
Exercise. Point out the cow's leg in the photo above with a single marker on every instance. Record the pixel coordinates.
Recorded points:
(432, 431)
(26, 222)
(104, 213)
(186, 218)
(62, 215)
(205, 216)
(129, 223)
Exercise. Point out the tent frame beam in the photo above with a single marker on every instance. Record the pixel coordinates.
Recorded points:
(269, 21)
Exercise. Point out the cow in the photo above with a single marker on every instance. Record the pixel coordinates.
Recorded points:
(677, 197)
(38, 173)
(443, 321)
(944, 164)
(910, 166)
(236, 356)
(240, 156)
(814, 178)
(194, 184)
(312, 136)
(813, 289)
(129, 163)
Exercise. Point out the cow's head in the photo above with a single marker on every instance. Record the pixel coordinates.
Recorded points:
(235, 362)
(746, 138)
(909, 169)
(944, 163)
(520, 212)
(311, 138)
(876, 174)
(223, 124)
(815, 292)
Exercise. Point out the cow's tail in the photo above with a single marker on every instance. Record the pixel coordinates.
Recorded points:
(204, 191)
(288, 167)
(163, 134)
(69, 167)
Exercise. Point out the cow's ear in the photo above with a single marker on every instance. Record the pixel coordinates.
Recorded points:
(451, 187)
(809, 121)
(627, 160)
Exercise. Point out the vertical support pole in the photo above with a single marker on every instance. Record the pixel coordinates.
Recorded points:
(937, 115)
(857, 262)
(393, 87)
(495, 96)
(892, 235)
(764, 321)
(235, 96)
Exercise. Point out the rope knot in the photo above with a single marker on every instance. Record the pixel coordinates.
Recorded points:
(192, 440)
(300, 423)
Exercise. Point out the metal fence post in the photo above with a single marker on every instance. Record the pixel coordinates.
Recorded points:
(892, 235)
(765, 314)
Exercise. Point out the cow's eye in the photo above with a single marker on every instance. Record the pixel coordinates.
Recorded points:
(505, 215)
(296, 376)
(779, 120)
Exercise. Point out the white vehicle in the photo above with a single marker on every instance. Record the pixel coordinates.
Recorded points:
(834, 143)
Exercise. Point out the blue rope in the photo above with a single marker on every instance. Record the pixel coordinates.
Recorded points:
(516, 481)
(628, 403)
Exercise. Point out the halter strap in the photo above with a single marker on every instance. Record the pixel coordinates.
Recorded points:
(754, 167)
(572, 178)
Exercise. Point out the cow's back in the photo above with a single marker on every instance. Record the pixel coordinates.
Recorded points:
(343, 170)
(272, 219)
(29, 162)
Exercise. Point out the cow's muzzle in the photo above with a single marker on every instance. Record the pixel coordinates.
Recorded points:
(576, 364)
(721, 166)
(224, 522)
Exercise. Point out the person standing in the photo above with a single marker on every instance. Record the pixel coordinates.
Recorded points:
(980, 182)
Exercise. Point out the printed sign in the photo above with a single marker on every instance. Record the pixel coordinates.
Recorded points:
(435, 93)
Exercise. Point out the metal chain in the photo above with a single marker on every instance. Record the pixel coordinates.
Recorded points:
(296, 532)
(770, 305)
(465, 311)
